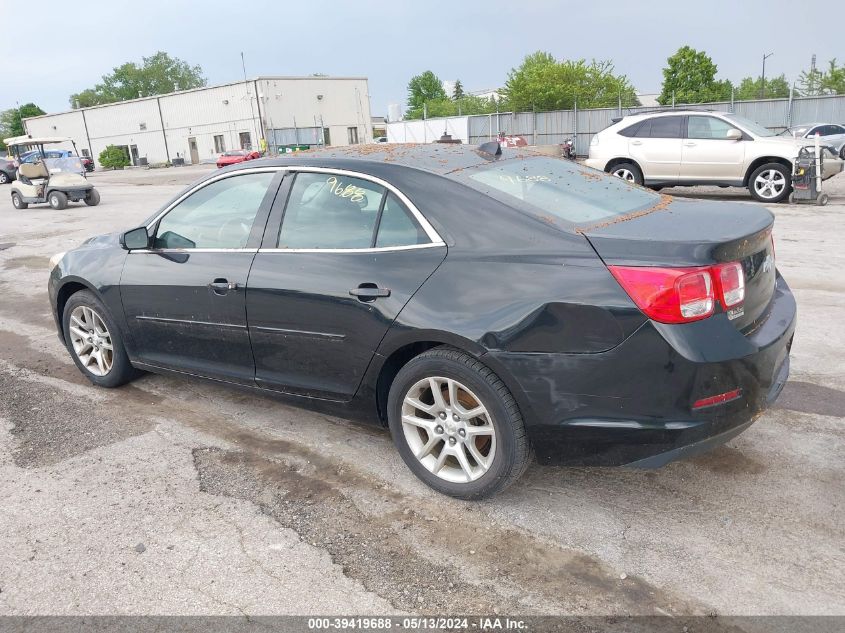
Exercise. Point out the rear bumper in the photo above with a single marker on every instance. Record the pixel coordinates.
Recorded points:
(596, 163)
(632, 405)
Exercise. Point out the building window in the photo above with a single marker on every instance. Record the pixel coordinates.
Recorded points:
(219, 145)
(246, 142)
(143, 126)
(86, 153)
(353, 135)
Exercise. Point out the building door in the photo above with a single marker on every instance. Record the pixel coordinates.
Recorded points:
(133, 149)
(327, 137)
(192, 146)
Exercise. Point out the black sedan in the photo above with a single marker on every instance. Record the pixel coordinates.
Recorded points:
(482, 303)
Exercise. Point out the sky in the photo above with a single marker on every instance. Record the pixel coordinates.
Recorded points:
(389, 41)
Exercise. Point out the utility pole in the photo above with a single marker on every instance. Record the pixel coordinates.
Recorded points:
(763, 77)
(251, 109)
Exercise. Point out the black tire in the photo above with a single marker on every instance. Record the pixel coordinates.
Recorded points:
(785, 173)
(57, 200)
(18, 202)
(634, 170)
(121, 371)
(513, 451)
(4, 178)
(93, 198)
(842, 153)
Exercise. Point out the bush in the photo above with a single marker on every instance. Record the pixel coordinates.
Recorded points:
(113, 157)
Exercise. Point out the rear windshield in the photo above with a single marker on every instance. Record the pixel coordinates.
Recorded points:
(546, 186)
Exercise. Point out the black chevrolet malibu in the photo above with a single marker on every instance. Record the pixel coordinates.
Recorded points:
(484, 304)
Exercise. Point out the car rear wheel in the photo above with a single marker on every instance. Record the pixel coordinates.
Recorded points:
(94, 342)
(93, 198)
(770, 183)
(456, 425)
(627, 171)
(18, 202)
(57, 200)
(4, 177)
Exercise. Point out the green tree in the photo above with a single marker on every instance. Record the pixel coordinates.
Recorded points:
(543, 83)
(690, 76)
(156, 75)
(458, 92)
(11, 120)
(114, 157)
(815, 82)
(424, 90)
(751, 88)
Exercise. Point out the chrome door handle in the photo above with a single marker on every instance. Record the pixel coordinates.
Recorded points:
(369, 292)
(636, 142)
(689, 144)
(222, 286)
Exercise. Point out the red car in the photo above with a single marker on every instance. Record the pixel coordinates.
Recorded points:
(236, 156)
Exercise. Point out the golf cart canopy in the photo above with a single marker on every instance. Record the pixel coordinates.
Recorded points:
(38, 140)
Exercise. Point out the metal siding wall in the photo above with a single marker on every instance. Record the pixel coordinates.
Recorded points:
(554, 127)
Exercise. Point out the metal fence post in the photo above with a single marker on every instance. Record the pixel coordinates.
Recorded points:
(575, 125)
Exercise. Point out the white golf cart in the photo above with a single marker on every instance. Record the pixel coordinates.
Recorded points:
(50, 179)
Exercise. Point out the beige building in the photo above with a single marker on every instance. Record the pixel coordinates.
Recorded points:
(198, 125)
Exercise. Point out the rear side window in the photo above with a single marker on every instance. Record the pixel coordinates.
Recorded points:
(545, 186)
(330, 211)
(666, 127)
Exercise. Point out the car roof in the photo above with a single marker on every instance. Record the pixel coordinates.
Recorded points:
(436, 158)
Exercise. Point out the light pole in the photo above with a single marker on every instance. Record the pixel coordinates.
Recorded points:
(763, 78)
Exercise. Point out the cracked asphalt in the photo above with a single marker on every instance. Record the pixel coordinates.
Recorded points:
(171, 496)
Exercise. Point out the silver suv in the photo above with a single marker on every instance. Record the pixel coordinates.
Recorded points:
(695, 147)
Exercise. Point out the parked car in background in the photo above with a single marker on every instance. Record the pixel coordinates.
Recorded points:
(698, 147)
(480, 302)
(236, 156)
(830, 134)
(87, 163)
(32, 156)
(7, 169)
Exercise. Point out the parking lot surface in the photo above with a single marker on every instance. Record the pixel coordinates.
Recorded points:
(171, 496)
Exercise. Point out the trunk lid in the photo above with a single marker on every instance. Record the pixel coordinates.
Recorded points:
(681, 233)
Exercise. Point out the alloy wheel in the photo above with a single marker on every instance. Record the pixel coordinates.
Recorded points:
(625, 174)
(91, 340)
(448, 429)
(769, 184)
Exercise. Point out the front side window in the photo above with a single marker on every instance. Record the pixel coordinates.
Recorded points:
(708, 127)
(220, 215)
(544, 186)
(330, 211)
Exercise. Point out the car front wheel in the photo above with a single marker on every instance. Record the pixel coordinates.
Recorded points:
(94, 342)
(770, 183)
(93, 198)
(4, 178)
(456, 425)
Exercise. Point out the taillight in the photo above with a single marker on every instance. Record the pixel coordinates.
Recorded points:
(668, 295)
(731, 283)
(681, 295)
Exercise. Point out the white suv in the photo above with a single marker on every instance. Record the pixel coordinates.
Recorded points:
(695, 147)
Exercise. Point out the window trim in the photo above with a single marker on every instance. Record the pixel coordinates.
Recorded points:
(436, 240)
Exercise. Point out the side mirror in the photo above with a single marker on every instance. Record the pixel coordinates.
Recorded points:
(136, 238)
(734, 134)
